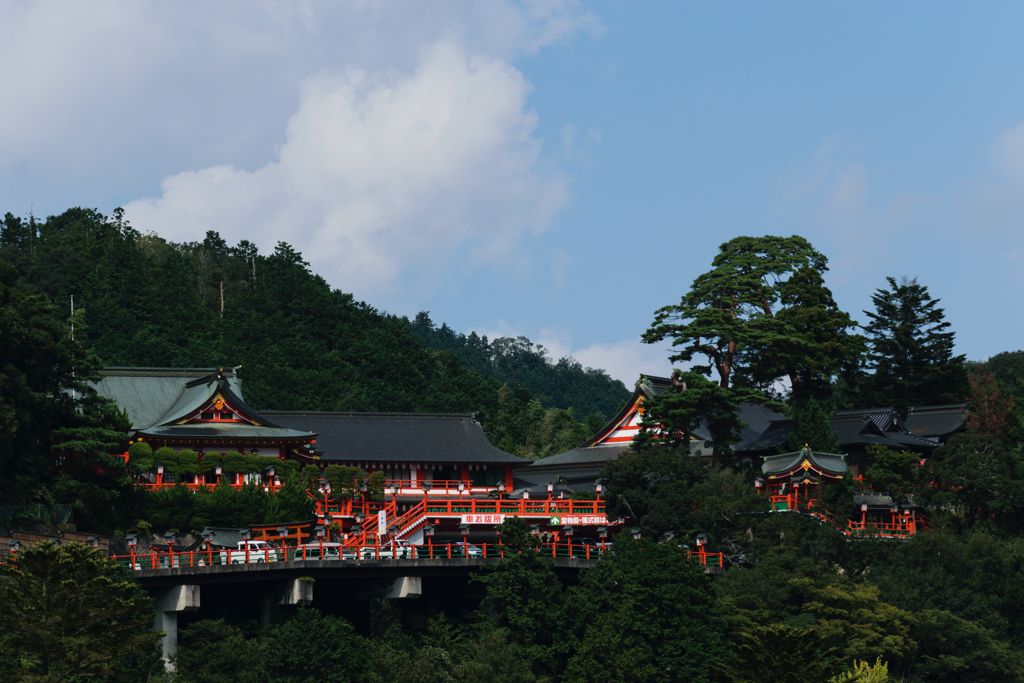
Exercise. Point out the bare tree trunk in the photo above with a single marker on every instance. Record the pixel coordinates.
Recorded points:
(222, 298)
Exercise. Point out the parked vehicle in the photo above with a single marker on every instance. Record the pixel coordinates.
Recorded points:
(331, 551)
(457, 549)
(258, 552)
(389, 550)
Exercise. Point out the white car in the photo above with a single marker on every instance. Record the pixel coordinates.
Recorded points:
(331, 551)
(253, 552)
(402, 550)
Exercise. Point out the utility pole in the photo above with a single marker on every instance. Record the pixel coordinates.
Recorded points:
(74, 394)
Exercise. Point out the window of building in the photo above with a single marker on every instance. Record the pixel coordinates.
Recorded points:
(398, 475)
(436, 478)
(489, 477)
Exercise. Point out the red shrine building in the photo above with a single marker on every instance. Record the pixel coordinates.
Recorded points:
(201, 410)
(443, 478)
(440, 471)
(793, 481)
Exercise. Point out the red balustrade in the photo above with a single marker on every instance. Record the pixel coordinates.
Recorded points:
(454, 550)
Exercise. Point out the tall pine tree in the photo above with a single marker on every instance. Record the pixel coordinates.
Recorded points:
(911, 350)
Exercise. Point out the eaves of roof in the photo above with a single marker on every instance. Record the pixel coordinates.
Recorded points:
(937, 421)
(396, 437)
(227, 431)
(581, 455)
(828, 463)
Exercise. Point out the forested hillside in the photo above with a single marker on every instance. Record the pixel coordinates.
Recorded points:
(142, 301)
(516, 360)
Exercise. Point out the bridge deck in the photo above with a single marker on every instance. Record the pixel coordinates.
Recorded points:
(352, 569)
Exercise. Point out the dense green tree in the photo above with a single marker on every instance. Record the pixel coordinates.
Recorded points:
(893, 472)
(47, 407)
(525, 596)
(214, 651)
(312, 647)
(1008, 367)
(911, 355)
(732, 307)
(812, 429)
(974, 479)
(842, 614)
(516, 537)
(949, 648)
(69, 613)
(992, 411)
(492, 657)
(550, 432)
(291, 502)
(976, 576)
(645, 613)
(826, 349)
(395, 659)
(778, 653)
(563, 384)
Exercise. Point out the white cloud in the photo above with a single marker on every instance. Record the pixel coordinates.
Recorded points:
(106, 98)
(627, 359)
(994, 204)
(623, 360)
(383, 175)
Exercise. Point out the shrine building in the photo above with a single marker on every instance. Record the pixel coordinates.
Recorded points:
(201, 409)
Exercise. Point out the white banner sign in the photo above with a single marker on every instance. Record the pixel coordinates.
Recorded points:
(483, 519)
(566, 520)
(382, 523)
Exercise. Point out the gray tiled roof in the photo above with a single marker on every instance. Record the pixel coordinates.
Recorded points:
(912, 440)
(873, 500)
(582, 455)
(578, 478)
(223, 537)
(937, 421)
(775, 435)
(757, 418)
(885, 418)
(396, 437)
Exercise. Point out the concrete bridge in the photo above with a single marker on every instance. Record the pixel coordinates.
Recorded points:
(270, 586)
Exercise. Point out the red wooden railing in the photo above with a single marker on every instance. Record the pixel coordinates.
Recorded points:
(905, 524)
(454, 550)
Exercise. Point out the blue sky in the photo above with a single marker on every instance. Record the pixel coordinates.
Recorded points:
(554, 169)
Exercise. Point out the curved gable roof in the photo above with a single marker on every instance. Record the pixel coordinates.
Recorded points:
(787, 464)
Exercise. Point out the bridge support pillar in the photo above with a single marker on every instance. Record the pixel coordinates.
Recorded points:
(290, 592)
(167, 603)
(405, 587)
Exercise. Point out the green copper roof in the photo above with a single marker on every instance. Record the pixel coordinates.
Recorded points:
(148, 394)
(829, 464)
(158, 398)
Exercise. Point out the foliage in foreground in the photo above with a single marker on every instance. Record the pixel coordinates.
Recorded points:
(67, 613)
